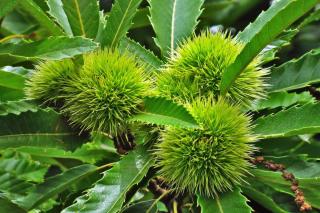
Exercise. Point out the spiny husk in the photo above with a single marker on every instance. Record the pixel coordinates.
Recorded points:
(212, 158)
(108, 90)
(48, 79)
(196, 70)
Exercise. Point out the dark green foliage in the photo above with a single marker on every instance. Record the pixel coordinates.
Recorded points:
(161, 111)
(149, 106)
(197, 68)
(108, 90)
(212, 158)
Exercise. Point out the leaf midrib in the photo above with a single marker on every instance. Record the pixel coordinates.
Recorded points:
(80, 17)
(166, 116)
(129, 185)
(173, 27)
(121, 22)
(217, 198)
(77, 178)
(38, 134)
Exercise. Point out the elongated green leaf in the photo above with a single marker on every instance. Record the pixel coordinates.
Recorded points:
(16, 22)
(262, 31)
(83, 17)
(269, 52)
(6, 6)
(266, 197)
(56, 10)
(52, 48)
(13, 186)
(215, 11)
(17, 70)
(22, 167)
(315, 16)
(8, 206)
(226, 202)
(11, 80)
(174, 23)
(296, 73)
(300, 165)
(141, 18)
(161, 111)
(283, 99)
(293, 121)
(98, 149)
(143, 54)
(54, 185)
(11, 86)
(16, 107)
(142, 207)
(102, 24)
(309, 186)
(108, 194)
(119, 21)
(44, 129)
(34, 10)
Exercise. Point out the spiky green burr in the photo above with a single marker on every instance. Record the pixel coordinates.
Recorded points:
(213, 158)
(109, 89)
(196, 70)
(47, 81)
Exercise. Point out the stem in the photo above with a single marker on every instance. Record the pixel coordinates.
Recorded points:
(157, 200)
(175, 207)
(106, 166)
(12, 37)
(216, 196)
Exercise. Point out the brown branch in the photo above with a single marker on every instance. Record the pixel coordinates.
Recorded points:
(124, 142)
(314, 92)
(299, 197)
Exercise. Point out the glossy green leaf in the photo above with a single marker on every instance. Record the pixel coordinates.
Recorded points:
(46, 129)
(300, 165)
(296, 73)
(17, 70)
(11, 80)
(102, 24)
(269, 198)
(109, 193)
(225, 202)
(83, 17)
(174, 23)
(213, 10)
(313, 17)
(309, 186)
(8, 206)
(119, 21)
(56, 10)
(161, 111)
(141, 18)
(269, 52)
(13, 186)
(34, 10)
(6, 6)
(283, 99)
(146, 56)
(262, 31)
(16, 22)
(293, 121)
(54, 185)
(11, 86)
(16, 107)
(52, 48)
(22, 167)
(142, 207)
(100, 148)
